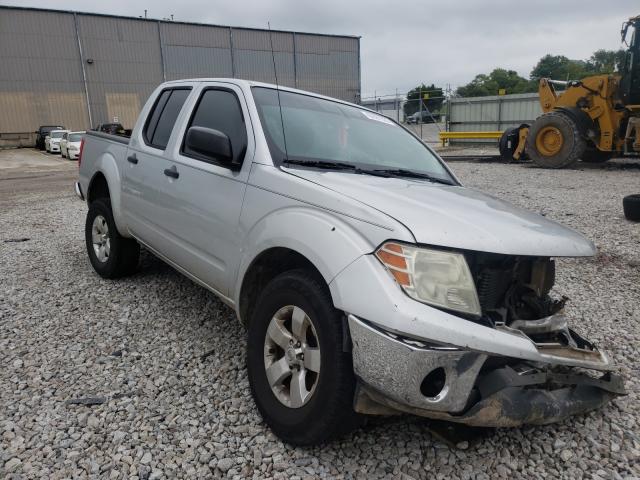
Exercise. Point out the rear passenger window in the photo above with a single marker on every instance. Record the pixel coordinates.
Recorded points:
(163, 117)
(220, 110)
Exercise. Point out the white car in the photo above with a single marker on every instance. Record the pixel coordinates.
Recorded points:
(52, 141)
(70, 145)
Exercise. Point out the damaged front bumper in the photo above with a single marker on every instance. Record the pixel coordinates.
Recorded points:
(399, 374)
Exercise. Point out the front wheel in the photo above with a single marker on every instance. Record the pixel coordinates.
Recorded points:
(111, 254)
(555, 141)
(301, 378)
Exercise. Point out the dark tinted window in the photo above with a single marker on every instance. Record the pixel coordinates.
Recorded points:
(163, 117)
(220, 110)
(46, 130)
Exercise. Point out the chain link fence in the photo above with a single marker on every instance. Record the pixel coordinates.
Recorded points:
(414, 113)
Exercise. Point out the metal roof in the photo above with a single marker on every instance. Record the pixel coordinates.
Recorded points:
(156, 20)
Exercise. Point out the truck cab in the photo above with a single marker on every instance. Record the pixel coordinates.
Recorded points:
(370, 280)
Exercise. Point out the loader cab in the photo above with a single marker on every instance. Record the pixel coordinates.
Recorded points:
(630, 82)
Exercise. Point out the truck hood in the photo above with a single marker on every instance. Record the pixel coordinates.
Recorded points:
(456, 217)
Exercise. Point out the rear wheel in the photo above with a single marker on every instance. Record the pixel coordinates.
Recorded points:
(555, 141)
(301, 379)
(595, 156)
(111, 254)
(506, 145)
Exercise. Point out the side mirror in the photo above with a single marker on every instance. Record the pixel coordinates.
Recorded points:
(209, 143)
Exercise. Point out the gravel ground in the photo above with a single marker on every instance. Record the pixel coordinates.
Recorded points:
(163, 410)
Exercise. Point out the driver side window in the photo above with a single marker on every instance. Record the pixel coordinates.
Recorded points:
(219, 109)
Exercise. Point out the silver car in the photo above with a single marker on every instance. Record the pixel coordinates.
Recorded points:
(369, 279)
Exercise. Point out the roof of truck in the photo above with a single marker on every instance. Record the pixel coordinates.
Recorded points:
(253, 83)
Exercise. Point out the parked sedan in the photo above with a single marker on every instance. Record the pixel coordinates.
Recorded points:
(423, 117)
(70, 145)
(52, 141)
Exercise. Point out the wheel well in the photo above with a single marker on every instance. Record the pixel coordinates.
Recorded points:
(98, 188)
(265, 267)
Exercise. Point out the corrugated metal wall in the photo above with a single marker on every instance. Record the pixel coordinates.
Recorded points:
(126, 65)
(494, 113)
(52, 62)
(40, 72)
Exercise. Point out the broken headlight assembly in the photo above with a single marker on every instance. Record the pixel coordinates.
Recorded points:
(435, 277)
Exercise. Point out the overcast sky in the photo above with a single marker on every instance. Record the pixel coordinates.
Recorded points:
(407, 42)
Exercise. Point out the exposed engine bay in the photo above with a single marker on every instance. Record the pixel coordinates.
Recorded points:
(514, 292)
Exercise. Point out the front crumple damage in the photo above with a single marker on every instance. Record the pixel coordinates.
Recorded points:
(396, 375)
(411, 357)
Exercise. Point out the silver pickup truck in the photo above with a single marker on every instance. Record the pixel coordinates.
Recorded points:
(369, 279)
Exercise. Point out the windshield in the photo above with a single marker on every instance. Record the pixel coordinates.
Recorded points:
(55, 134)
(318, 129)
(75, 137)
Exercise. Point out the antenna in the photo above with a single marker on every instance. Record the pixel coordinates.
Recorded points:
(275, 73)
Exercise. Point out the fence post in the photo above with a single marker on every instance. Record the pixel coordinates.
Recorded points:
(395, 101)
(420, 107)
(447, 124)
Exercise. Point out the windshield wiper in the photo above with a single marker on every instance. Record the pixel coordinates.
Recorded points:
(320, 164)
(378, 172)
(401, 172)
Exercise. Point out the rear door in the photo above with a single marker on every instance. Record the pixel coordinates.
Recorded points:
(203, 203)
(144, 185)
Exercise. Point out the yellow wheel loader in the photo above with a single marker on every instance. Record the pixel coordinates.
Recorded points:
(591, 120)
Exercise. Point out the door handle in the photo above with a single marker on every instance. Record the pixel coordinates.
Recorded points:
(171, 172)
(132, 159)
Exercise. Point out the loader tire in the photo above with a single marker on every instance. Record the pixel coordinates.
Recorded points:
(595, 156)
(555, 141)
(507, 145)
(631, 205)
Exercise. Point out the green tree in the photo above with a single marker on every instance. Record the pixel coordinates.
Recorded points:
(559, 67)
(491, 84)
(433, 103)
(606, 61)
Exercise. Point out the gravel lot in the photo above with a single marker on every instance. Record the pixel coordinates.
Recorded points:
(163, 410)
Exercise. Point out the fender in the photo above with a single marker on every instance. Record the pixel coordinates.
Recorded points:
(330, 241)
(107, 165)
(585, 123)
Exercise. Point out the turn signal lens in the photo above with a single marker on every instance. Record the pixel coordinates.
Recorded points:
(436, 277)
(392, 257)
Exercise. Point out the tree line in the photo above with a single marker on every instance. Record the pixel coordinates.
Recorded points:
(557, 67)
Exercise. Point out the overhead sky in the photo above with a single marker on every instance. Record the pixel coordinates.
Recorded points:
(405, 42)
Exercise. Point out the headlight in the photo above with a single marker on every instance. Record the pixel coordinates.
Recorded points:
(435, 277)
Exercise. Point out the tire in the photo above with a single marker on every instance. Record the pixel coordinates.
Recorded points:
(631, 206)
(327, 412)
(119, 255)
(506, 145)
(595, 156)
(62, 154)
(565, 147)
